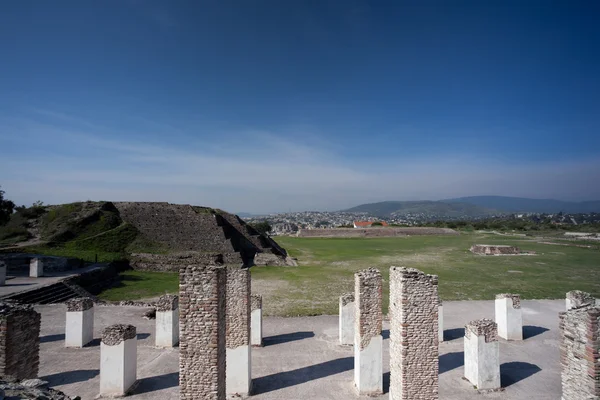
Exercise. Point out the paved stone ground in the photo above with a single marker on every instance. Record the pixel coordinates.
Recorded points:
(302, 360)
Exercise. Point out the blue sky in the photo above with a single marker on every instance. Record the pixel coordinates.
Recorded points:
(264, 106)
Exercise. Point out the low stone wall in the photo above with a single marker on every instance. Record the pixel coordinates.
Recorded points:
(374, 232)
(172, 262)
(32, 389)
(19, 262)
(495, 250)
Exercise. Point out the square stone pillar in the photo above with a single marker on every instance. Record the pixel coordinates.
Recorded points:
(202, 332)
(256, 335)
(167, 321)
(118, 360)
(414, 334)
(579, 349)
(3, 270)
(577, 299)
(482, 355)
(509, 316)
(368, 342)
(346, 318)
(36, 268)
(239, 367)
(440, 322)
(79, 329)
(19, 342)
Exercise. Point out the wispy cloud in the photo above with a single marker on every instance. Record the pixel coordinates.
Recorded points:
(258, 172)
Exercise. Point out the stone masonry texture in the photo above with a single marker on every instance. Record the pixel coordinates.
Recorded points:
(579, 358)
(202, 357)
(255, 302)
(167, 302)
(238, 307)
(368, 313)
(483, 327)
(516, 298)
(346, 298)
(19, 342)
(414, 340)
(115, 334)
(79, 304)
(580, 299)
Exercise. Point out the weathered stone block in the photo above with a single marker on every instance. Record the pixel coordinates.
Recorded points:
(118, 360)
(79, 329)
(36, 268)
(19, 342)
(256, 334)
(346, 319)
(509, 316)
(167, 321)
(578, 299)
(482, 354)
(239, 370)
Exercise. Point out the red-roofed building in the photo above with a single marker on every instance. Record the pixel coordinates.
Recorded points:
(368, 224)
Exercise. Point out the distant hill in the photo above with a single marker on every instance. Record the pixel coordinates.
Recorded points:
(518, 204)
(437, 208)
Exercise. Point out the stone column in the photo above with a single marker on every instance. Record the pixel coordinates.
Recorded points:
(202, 332)
(19, 342)
(482, 355)
(346, 318)
(36, 268)
(256, 338)
(509, 317)
(580, 345)
(239, 370)
(577, 299)
(79, 329)
(440, 321)
(368, 342)
(2, 273)
(167, 321)
(118, 360)
(414, 334)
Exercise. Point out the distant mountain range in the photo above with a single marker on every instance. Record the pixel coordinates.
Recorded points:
(476, 206)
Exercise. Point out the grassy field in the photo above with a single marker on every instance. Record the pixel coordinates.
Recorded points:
(327, 266)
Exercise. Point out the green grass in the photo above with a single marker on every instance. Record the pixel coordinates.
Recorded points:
(85, 255)
(139, 285)
(327, 266)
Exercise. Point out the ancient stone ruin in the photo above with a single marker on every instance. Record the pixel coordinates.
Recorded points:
(167, 321)
(238, 331)
(346, 319)
(496, 250)
(414, 334)
(118, 360)
(578, 299)
(202, 354)
(256, 336)
(482, 354)
(79, 329)
(580, 345)
(19, 342)
(368, 342)
(509, 316)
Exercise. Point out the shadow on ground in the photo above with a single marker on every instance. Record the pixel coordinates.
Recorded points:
(385, 334)
(450, 361)
(52, 338)
(287, 337)
(513, 372)
(159, 382)
(298, 376)
(452, 334)
(64, 378)
(530, 331)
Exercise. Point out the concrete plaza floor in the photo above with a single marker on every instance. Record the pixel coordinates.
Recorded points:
(301, 358)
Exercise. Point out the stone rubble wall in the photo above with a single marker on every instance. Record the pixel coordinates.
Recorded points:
(167, 302)
(374, 232)
(238, 307)
(516, 298)
(580, 344)
(19, 342)
(115, 334)
(255, 302)
(580, 299)
(32, 389)
(79, 304)
(202, 357)
(172, 262)
(346, 298)
(414, 344)
(486, 249)
(368, 312)
(483, 327)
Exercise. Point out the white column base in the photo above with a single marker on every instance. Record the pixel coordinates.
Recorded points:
(239, 370)
(79, 329)
(509, 320)
(256, 336)
(3, 275)
(118, 368)
(482, 362)
(441, 323)
(167, 328)
(346, 324)
(368, 366)
(36, 268)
